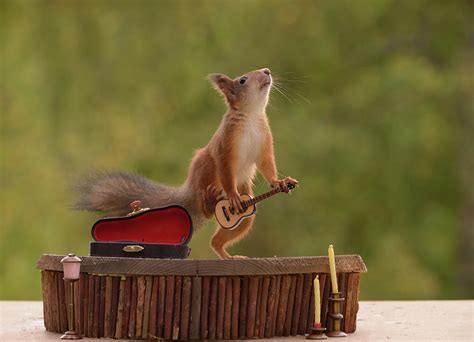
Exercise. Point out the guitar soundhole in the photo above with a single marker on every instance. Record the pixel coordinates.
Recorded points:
(224, 210)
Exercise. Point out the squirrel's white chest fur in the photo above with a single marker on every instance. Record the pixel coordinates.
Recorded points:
(249, 149)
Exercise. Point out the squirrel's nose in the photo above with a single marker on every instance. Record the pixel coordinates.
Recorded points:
(266, 71)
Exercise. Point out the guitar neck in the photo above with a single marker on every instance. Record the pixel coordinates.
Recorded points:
(264, 196)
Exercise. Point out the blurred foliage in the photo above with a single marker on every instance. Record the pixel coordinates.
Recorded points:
(376, 124)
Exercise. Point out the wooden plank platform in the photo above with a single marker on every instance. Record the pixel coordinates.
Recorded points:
(188, 267)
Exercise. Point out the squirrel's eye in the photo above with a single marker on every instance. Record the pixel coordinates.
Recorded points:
(242, 80)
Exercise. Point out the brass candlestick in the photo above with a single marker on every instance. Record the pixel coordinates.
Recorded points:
(317, 333)
(335, 315)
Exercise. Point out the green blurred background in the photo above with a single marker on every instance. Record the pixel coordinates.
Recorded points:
(377, 125)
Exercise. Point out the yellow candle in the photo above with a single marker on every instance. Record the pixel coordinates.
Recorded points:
(317, 302)
(332, 268)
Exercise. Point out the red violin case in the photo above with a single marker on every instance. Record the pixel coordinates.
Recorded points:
(145, 233)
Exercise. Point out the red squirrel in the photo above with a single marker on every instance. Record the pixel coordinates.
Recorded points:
(225, 167)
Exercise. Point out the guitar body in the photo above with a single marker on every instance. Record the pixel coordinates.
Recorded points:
(230, 219)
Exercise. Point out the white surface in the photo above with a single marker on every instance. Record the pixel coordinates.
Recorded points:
(377, 321)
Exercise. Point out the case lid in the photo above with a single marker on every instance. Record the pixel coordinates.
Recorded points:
(166, 225)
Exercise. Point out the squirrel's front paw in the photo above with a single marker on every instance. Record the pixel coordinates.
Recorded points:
(235, 201)
(285, 184)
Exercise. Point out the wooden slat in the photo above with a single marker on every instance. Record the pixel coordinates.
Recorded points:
(220, 308)
(257, 310)
(289, 307)
(152, 323)
(62, 302)
(78, 295)
(244, 291)
(133, 308)
(46, 287)
(303, 321)
(352, 302)
(108, 306)
(141, 287)
(114, 308)
(342, 285)
(310, 321)
(228, 308)
(178, 282)
(252, 266)
(146, 308)
(325, 302)
(277, 303)
(96, 315)
(270, 306)
(169, 302)
(206, 289)
(195, 308)
(185, 308)
(213, 308)
(101, 302)
(297, 304)
(120, 309)
(90, 313)
(263, 305)
(235, 307)
(85, 316)
(252, 306)
(127, 304)
(281, 311)
(160, 324)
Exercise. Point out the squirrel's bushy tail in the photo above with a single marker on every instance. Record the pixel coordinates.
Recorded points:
(111, 192)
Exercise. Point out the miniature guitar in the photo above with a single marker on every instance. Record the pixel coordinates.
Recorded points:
(229, 217)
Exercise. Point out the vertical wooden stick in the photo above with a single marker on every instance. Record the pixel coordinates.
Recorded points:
(252, 306)
(169, 301)
(133, 308)
(310, 321)
(297, 304)
(46, 300)
(90, 314)
(281, 311)
(101, 301)
(244, 291)
(114, 307)
(220, 308)
(127, 303)
(161, 307)
(257, 310)
(342, 283)
(153, 309)
(146, 307)
(62, 302)
(325, 302)
(352, 302)
(195, 308)
(228, 308)
(206, 290)
(185, 308)
(263, 306)
(96, 319)
(85, 316)
(178, 281)
(120, 308)
(213, 308)
(289, 307)
(108, 306)
(235, 307)
(141, 286)
(308, 282)
(277, 303)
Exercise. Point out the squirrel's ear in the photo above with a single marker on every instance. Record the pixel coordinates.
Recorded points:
(223, 84)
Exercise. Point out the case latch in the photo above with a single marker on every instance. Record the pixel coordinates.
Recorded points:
(133, 248)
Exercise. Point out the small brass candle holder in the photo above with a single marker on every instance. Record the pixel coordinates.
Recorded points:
(317, 332)
(335, 315)
(71, 270)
